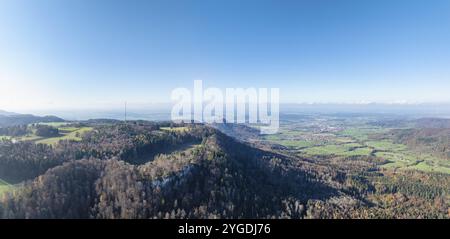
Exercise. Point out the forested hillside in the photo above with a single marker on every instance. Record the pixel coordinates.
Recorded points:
(11, 119)
(435, 141)
(162, 170)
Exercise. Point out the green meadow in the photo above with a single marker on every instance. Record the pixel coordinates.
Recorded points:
(353, 141)
(4, 137)
(386, 145)
(296, 144)
(5, 186)
(350, 149)
(175, 129)
(361, 134)
(66, 132)
(55, 124)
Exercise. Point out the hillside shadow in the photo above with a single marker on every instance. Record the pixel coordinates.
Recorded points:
(151, 154)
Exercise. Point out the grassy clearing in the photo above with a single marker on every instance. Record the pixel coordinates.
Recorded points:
(295, 144)
(413, 161)
(359, 152)
(289, 133)
(395, 156)
(361, 133)
(428, 166)
(30, 137)
(67, 133)
(175, 129)
(351, 149)
(5, 186)
(285, 134)
(344, 140)
(290, 140)
(272, 137)
(386, 145)
(55, 124)
(2, 137)
(352, 145)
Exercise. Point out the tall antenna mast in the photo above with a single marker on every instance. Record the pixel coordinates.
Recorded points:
(125, 112)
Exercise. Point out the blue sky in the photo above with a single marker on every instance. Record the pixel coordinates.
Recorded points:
(98, 53)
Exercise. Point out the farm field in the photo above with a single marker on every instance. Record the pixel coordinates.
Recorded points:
(5, 137)
(55, 124)
(175, 129)
(66, 132)
(334, 137)
(351, 149)
(4, 186)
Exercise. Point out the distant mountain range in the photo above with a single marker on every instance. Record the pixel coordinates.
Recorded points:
(6, 113)
(12, 119)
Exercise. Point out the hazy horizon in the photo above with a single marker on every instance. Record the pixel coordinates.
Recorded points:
(162, 111)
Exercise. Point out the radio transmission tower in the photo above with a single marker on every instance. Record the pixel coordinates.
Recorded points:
(125, 112)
